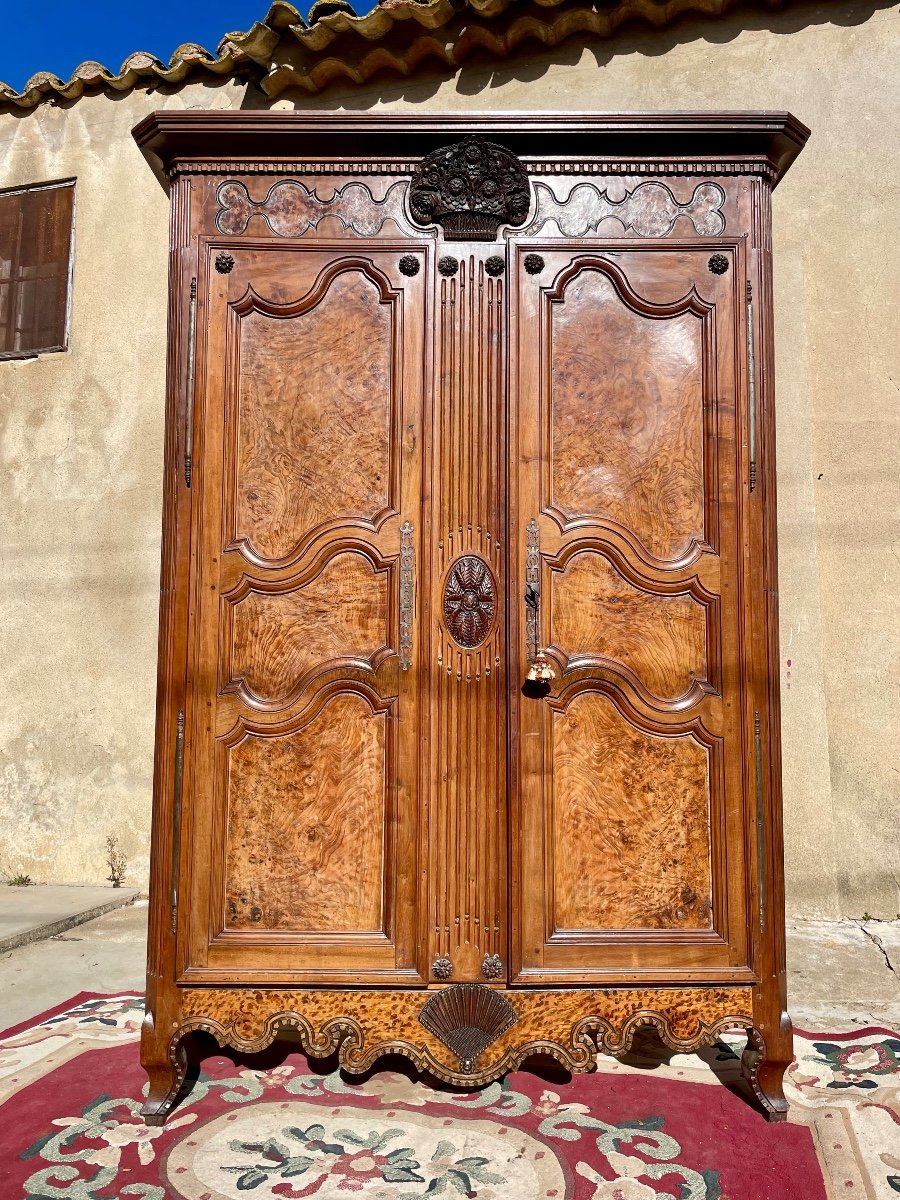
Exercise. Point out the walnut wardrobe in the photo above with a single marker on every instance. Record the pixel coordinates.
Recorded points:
(468, 718)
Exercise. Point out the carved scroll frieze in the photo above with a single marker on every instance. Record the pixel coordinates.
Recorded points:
(290, 208)
(470, 189)
(650, 210)
(572, 1025)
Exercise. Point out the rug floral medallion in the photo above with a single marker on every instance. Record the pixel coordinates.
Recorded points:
(655, 1124)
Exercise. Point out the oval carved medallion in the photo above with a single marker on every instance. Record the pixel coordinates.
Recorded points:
(470, 601)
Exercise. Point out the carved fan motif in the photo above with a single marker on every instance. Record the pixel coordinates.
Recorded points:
(470, 601)
(467, 1018)
(471, 189)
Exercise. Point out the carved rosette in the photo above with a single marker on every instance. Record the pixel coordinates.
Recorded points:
(492, 966)
(470, 601)
(470, 189)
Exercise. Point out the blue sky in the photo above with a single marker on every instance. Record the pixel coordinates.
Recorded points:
(56, 35)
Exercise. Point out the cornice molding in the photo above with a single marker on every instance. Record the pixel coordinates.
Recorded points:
(288, 142)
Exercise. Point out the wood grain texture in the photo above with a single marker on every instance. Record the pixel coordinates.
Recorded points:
(467, 875)
(340, 614)
(630, 824)
(316, 416)
(305, 847)
(596, 612)
(626, 415)
(165, 898)
(774, 1048)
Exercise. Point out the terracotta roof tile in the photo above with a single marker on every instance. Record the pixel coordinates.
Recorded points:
(396, 36)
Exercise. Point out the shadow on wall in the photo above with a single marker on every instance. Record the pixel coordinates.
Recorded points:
(532, 60)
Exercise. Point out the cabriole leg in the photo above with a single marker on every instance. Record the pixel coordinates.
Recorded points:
(764, 1071)
(166, 1065)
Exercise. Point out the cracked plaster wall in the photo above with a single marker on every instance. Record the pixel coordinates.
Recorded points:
(82, 436)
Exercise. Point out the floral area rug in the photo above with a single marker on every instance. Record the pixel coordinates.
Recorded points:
(655, 1124)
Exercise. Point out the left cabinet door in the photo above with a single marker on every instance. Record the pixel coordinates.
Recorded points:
(300, 832)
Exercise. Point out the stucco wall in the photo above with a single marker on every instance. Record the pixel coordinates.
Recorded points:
(83, 437)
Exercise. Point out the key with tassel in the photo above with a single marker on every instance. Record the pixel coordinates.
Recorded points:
(541, 671)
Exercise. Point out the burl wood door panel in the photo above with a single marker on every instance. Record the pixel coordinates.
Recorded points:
(628, 852)
(302, 725)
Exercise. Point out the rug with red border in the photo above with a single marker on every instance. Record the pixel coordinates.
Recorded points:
(654, 1124)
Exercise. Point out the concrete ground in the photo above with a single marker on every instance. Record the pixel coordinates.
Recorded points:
(844, 973)
(28, 914)
(103, 955)
(840, 974)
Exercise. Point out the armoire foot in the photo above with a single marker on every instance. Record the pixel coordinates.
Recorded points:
(166, 1073)
(766, 1076)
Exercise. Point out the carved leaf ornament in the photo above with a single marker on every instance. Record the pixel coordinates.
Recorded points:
(470, 601)
(470, 189)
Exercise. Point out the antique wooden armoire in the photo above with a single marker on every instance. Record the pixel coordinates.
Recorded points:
(468, 721)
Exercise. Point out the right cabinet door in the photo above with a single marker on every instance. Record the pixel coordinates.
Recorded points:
(628, 813)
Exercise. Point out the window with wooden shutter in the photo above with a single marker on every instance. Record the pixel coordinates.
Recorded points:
(35, 255)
